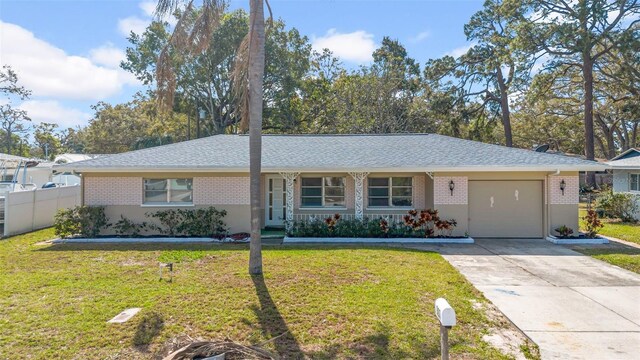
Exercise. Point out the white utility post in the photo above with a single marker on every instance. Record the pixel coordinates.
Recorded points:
(447, 317)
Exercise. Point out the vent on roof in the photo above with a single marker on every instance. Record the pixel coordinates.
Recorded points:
(541, 148)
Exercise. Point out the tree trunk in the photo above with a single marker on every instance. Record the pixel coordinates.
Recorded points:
(504, 108)
(587, 72)
(9, 141)
(256, 75)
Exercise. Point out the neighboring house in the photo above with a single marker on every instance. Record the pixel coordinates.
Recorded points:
(38, 172)
(626, 172)
(69, 178)
(603, 178)
(490, 190)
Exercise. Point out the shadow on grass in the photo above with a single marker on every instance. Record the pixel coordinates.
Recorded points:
(149, 327)
(375, 346)
(612, 248)
(273, 324)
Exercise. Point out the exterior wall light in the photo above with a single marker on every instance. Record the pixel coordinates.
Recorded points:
(452, 186)
(563, 185)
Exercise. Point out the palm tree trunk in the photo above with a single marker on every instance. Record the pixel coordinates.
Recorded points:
(256, 75)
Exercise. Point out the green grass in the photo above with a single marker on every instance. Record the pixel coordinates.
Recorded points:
(332, 302)
(626, 257)
(614, 228)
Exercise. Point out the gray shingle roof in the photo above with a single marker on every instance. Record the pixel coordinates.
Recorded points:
(626, 163)
(401, 152)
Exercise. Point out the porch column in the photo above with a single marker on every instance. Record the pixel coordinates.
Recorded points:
(359, 179)
(289, 178)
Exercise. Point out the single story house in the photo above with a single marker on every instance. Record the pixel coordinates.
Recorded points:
(490, 190)
(626, 172)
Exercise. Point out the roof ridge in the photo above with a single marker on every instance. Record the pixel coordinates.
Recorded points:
(338, 135)
(528, 151)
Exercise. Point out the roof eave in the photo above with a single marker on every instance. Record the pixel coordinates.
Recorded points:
(625, 167)
(150, 169)
(545, 168)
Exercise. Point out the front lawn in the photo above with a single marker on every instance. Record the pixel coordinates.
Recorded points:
(328, 301)
(617, 229)
(626, 257)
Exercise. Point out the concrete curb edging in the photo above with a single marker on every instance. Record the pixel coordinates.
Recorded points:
(123, 240)
(597, 241)
(298, 240)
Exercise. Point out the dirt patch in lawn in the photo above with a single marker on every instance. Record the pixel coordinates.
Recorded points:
(507, 337)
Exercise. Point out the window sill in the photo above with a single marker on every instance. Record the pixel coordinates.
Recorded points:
(385, 208)
(321, 208)
(167, 205)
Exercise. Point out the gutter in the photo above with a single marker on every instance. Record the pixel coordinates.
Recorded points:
(595, 167)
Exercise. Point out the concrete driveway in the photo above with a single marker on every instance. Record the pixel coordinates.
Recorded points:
(571, 305)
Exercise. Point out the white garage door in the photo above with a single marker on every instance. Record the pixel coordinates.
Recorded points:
(505, 209)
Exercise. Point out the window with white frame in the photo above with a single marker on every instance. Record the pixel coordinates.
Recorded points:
(325, 191)
(168, 191)
(390, 191)
(634, 182)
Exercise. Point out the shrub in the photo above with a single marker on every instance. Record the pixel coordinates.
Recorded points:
(564, 231)
(86, 221)
(416, 224)
(621, 206)
(126, 227)
(202, 222)
(189, 222)
(592, 224)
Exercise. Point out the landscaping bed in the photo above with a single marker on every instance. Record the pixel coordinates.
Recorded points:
(409, 240)
(320, 302)
(577, 240)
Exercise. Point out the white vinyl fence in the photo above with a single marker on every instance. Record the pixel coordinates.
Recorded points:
(26, 211)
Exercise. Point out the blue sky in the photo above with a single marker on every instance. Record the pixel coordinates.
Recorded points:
(67, 51)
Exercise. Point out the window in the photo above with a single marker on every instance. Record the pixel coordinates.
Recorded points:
(323, 192)
(634, 182)
(168, 191)
(391, 191)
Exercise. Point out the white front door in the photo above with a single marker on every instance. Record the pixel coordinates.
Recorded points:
(275, 202)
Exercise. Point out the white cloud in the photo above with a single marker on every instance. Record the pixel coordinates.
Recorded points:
(133, 24)
(51, 111)
(419, 37)
(139, 23)
(107, 55)
(49, 71)
(459, 51)
(357, 46)
(148, 7)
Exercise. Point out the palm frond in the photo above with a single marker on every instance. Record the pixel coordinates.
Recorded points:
(188, 38)
(206, 22)
(240, 77)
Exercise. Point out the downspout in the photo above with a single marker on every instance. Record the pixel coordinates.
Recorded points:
(81, 186)
(547, 230)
